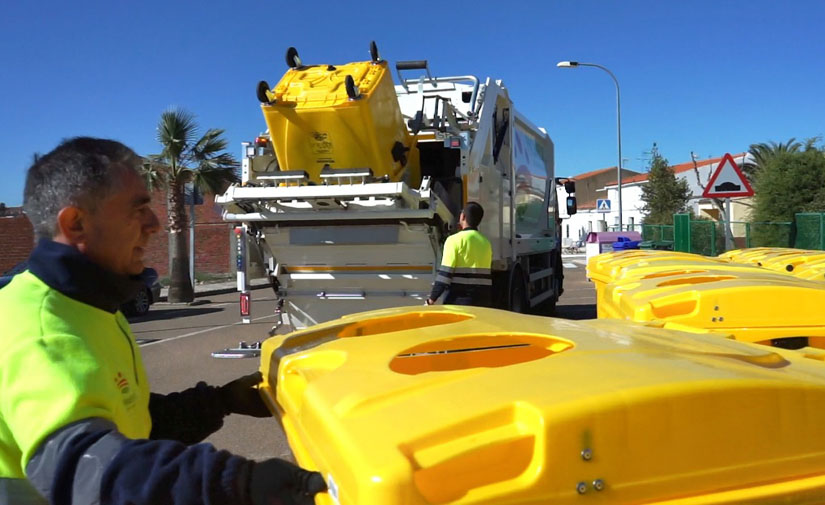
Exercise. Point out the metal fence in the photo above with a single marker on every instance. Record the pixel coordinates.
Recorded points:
(810, 231)
(710, 238)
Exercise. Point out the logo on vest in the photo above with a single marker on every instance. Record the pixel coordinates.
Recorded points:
(129, 396)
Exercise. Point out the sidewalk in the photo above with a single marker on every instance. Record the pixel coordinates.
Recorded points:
(218, 288)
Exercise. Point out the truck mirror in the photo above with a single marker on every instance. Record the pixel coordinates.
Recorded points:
(570, 187)
(571, 205)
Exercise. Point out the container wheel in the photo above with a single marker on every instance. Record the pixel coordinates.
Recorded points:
(292, 59)
(374, 52)
(352, 91)
(263, 87)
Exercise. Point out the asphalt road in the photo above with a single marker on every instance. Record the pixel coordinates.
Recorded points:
(177, 341)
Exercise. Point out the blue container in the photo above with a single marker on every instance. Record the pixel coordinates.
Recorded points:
(624, 243)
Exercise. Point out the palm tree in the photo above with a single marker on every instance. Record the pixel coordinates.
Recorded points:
(186, 158)
(764, 151)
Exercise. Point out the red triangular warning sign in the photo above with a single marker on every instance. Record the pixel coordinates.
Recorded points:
(727, 181)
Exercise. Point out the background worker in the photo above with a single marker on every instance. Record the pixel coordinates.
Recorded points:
(78, 424)
(465, 264)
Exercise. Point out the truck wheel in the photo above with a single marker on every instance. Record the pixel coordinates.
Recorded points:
(518, 292)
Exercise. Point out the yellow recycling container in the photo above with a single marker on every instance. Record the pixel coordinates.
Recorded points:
(607, 299)
(776, 258)
(314, 122)
(803, 263)
(790, 262)
(764, 308)
(752, 255)
(812, 270)
(464, 405)
(607, 267)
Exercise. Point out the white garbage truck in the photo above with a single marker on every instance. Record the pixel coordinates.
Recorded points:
(357, 181)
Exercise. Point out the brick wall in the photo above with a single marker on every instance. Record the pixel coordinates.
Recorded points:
(212, 239)
(16, 240)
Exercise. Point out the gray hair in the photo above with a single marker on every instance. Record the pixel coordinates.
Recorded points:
(80, 172)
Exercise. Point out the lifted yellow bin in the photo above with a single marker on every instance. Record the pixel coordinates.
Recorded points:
(463, 405)
(316, 122)
(763, 308)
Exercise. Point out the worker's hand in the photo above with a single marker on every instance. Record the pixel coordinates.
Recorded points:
(278, 482)
(430, 301)
(241, 396)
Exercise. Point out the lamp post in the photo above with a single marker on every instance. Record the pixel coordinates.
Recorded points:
(573, 64)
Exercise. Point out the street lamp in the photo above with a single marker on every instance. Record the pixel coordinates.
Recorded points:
(573, 64)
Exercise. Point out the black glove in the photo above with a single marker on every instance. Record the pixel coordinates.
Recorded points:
(241, 396)
(279, 482)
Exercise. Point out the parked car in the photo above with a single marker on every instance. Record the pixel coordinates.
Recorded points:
(137, 306)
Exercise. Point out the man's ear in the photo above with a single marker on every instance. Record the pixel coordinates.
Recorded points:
(70, 221)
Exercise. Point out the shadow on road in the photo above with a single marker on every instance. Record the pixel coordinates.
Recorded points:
(162, 314)
(582, 311)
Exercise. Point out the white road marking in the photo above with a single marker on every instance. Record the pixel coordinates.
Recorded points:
(569, 265)
(185, 335)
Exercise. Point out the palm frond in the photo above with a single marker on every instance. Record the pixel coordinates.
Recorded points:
(176, 132)
(214, 180)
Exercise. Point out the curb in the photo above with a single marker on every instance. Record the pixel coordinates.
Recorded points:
(217, 289)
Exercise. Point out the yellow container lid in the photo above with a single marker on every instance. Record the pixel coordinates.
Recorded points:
(752, 307)
(325, 85)
(607, 266)
(814, 271)
(464, 405)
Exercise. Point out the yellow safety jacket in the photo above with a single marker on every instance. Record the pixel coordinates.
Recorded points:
(465, 270)
(63, 361)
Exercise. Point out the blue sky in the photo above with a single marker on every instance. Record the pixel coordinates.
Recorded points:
(703, 76)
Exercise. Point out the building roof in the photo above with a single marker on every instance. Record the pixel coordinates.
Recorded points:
(677, 169)
(592, 173)
(600, 171)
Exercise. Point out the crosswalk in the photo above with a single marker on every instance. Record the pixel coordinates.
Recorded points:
(574, 263)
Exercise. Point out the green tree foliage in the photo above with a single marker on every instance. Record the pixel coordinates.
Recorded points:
(187, 158)
(788, 182)
(664, 194)
(763, 152)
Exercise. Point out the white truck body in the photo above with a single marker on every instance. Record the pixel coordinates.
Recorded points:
(355, 243)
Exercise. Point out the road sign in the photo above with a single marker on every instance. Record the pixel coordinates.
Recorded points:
(192, 195)
(603, 205)
(727, 181)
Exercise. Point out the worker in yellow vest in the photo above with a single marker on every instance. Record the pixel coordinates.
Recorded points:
(465, 264)
(78, 423)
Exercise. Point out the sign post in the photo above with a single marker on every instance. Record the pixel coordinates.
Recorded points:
(192, 197)
(727, 182)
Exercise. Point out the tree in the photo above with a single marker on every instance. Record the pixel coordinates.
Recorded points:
(664, 194)
(788, 183)
(763, 152)
(186, 158)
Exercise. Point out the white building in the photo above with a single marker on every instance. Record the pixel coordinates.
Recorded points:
(589, 218)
